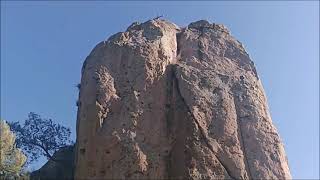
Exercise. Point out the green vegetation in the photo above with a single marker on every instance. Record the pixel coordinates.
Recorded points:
(12, 159)
(39, 136)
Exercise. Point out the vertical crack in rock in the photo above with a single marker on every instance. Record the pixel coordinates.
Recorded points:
(169, 115)
(178, 55)
(242, 144)
(202, 132)
(201, 44)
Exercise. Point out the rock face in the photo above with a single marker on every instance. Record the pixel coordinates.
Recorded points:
(62, 168)
(158, 101)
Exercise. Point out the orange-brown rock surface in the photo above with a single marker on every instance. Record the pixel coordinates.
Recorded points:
(158, 101)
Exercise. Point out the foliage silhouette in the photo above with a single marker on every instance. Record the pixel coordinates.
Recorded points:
(39, 136)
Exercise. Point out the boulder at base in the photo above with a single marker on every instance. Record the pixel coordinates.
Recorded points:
(61, 168)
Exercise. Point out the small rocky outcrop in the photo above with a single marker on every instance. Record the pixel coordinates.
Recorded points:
(159, 101)
(61, 167)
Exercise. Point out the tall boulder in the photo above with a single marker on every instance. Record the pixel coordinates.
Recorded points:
(159, 101)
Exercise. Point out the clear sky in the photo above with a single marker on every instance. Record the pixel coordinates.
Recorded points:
(43, 46)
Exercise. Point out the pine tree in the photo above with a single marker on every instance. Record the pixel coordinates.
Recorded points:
(11, 158)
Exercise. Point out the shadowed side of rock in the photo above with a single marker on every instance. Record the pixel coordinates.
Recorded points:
(61, 168)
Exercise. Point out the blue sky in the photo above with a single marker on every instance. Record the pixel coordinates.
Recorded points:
(43, 46)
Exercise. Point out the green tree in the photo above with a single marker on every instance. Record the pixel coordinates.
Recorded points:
(40, 136)
(11, 158)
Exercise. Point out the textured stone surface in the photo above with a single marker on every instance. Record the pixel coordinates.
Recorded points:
(159, 101)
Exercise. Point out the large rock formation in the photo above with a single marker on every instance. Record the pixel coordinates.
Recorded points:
(158, 101)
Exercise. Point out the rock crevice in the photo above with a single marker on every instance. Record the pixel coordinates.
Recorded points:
(203, 134)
